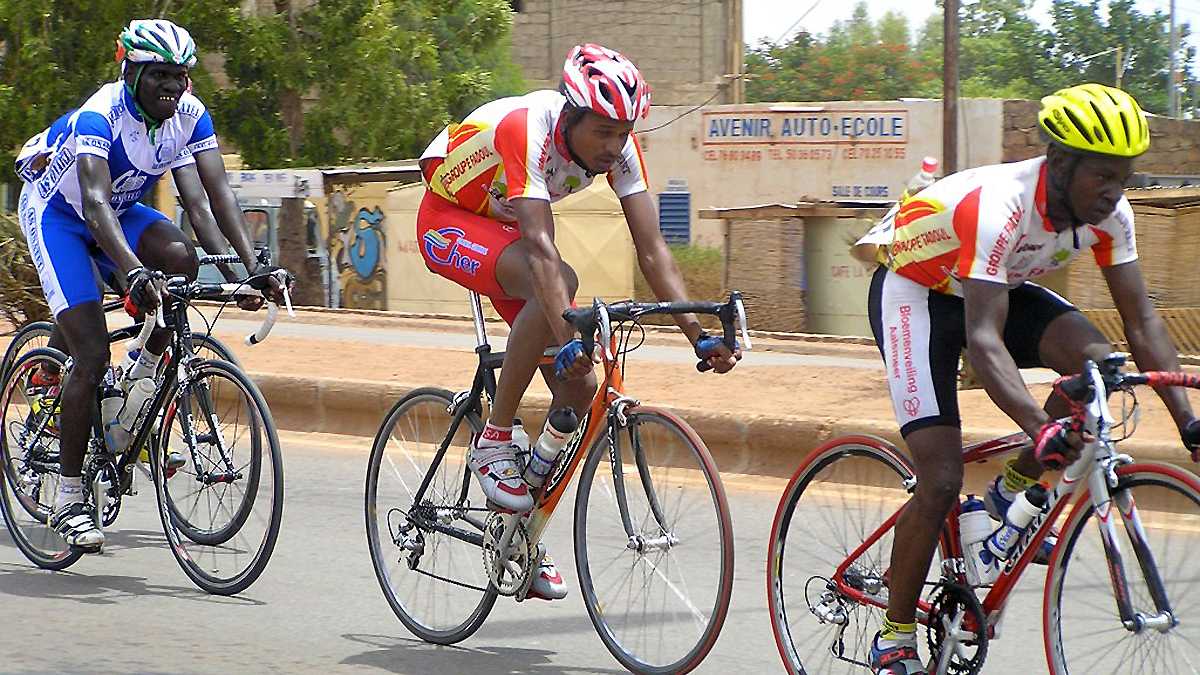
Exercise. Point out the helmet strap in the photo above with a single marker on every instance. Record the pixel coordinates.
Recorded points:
(1060, 190)
(573, 118)
(152, 125)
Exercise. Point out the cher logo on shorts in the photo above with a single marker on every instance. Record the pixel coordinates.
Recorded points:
(447, 246)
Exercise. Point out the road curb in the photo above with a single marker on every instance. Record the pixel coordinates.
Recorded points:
(746, 444)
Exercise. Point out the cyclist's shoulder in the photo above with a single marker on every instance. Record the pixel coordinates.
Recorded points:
(1013, 186)
(190, 108)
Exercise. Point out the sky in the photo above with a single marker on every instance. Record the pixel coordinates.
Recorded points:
(769, 18)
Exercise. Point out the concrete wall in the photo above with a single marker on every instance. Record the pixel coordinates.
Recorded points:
(786, 152)
(679, 45)
(1174, 143)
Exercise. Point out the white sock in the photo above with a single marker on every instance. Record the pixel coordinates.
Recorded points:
(494, 436)
(70, 490)
(147, 364)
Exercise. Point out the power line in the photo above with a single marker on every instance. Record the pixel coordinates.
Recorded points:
(797, 22)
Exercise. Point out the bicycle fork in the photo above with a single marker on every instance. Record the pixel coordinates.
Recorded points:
(1107, 492)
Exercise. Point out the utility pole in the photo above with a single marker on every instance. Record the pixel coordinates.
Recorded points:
(950, 87)
(1172, 83)
(1120, 70)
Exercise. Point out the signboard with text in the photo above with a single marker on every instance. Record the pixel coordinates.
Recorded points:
(823, 136)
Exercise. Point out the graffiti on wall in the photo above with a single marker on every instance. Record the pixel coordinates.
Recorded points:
(356, 247)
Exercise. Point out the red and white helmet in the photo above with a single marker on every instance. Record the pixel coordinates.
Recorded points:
(606, 83)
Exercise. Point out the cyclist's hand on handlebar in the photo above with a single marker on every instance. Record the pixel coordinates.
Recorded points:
(571, 363)
(1190, 433)
(266, 279)
(713, 351)
(144, 295)
(1057, 445)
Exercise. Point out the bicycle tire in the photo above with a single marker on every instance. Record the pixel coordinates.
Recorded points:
(28, 520)
(675, 471)
(23, 337)
(264, 447)
(881, 480)
(207, 536)
(1073, 552)
(405, 416)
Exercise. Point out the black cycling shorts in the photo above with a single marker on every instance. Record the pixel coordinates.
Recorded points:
(921, 334)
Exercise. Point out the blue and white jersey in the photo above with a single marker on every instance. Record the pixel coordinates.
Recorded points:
(109, 126)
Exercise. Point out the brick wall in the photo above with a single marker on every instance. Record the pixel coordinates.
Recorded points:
(1174, 143)
(765, 265)
(679, 45)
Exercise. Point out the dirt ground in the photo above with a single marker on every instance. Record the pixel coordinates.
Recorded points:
(767, 391)
(833, 393)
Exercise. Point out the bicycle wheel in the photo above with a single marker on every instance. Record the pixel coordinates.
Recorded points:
(842, 492)
(222, 510)
(29, 452)
(30, 336)
(1082, 628)
(435, 582)
(658, 593)
(208, 347)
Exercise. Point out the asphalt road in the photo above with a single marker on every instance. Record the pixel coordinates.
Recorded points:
(318, 607)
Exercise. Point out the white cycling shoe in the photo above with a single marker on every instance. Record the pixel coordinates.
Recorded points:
(548, 584)
(499, 475)
(75, 524)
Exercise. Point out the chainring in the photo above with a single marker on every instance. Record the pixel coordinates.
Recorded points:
(953, 603)
(507, 570)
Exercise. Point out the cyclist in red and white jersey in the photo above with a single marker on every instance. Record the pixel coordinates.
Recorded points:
(486, 224)
(958, 275)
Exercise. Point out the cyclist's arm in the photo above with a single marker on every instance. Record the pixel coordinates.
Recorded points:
(655, 259)
(986, 307)
(1148, 338)
(536, 222)
(95, 187)
(211, 170)
(199, 211)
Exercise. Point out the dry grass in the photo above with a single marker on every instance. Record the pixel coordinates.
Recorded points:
(21, 299)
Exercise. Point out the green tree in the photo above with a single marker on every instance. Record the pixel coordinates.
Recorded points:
(859, 59)
(339, 80)
(378, 78)
(1081, 32)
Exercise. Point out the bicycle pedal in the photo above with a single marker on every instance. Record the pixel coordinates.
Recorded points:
(87, 550)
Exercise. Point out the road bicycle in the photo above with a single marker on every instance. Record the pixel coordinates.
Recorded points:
(830, 545)
(652, 532)
(221, 511)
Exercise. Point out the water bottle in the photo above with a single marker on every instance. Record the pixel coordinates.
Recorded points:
(923, 178)
(1024, 509)
(123, 371)
(560, 425)
(111, 400)
(974, 527)
(140, 393)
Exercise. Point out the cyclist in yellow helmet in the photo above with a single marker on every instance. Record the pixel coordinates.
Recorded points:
(959, 275)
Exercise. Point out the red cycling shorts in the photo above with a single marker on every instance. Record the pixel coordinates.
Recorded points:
(464, 247)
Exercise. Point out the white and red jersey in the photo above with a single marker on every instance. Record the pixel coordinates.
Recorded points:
(990, 223)
(515, 148)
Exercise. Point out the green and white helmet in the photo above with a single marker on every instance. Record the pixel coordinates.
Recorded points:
(155, 41)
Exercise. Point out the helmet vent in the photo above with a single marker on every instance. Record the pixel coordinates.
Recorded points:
(1079, 125)
(1103, 124)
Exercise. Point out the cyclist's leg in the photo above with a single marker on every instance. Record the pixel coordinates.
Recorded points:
(58, 245)
(1045, 330)
(160, 245)
(920, 334)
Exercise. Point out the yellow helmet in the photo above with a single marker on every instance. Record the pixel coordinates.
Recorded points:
(1095, 118)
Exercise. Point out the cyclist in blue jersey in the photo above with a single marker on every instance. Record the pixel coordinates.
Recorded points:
(80, 211)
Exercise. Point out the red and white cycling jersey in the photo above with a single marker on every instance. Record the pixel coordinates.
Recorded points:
(514, 147)
(990, 223)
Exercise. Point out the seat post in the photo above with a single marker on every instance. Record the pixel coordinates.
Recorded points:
(477, 317)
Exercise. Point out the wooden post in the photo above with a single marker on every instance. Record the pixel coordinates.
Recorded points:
(950, 88)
